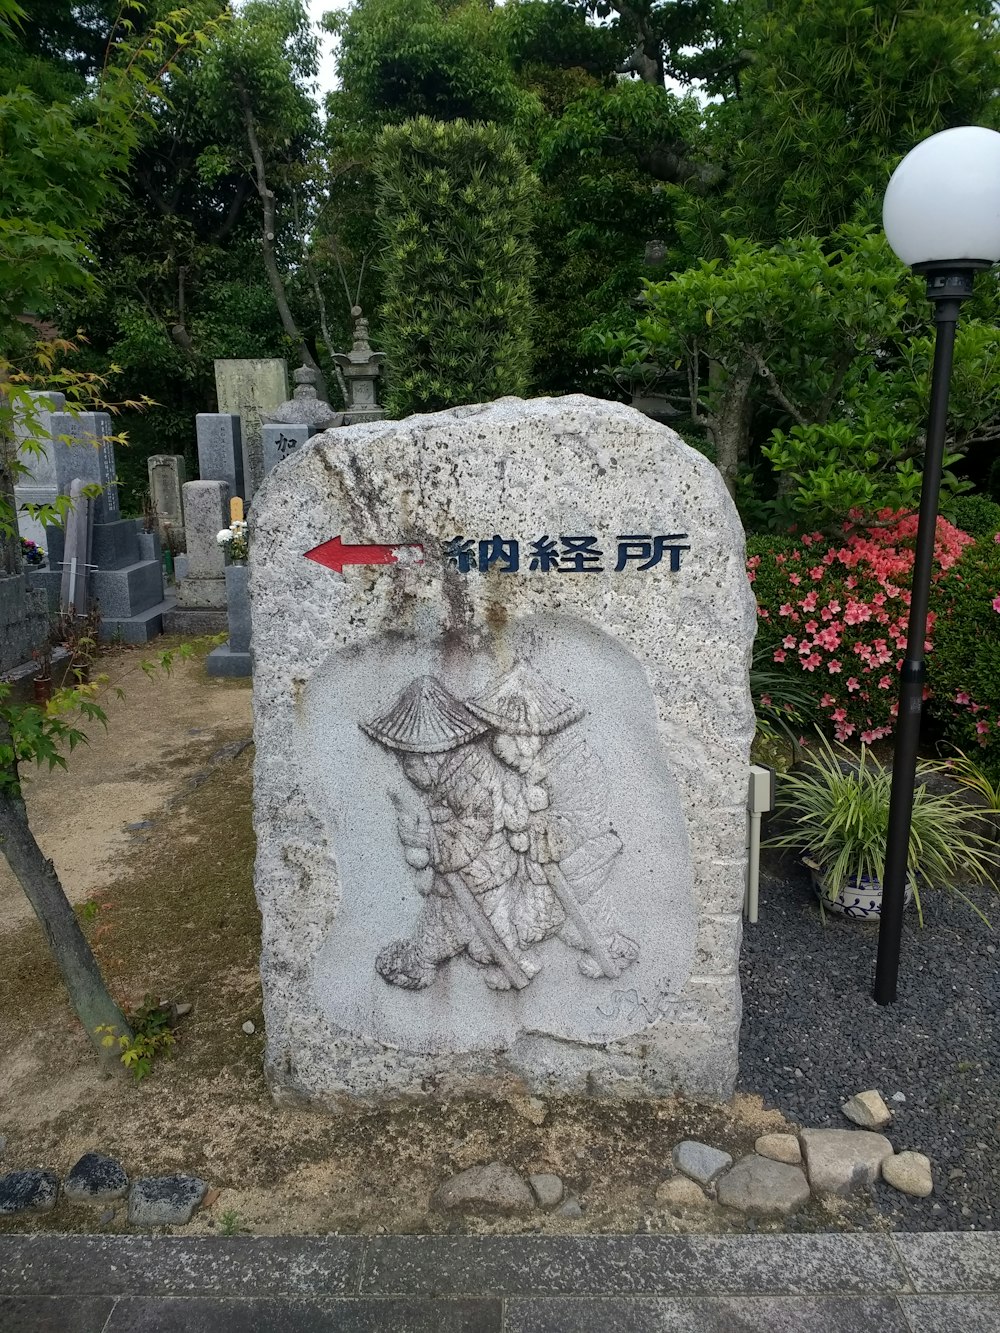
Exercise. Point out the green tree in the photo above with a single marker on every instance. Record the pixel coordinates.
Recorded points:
(835, 92)
(454, 215)
(63, 161)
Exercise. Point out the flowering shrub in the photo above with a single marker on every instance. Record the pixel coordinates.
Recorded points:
(964, 669)
(835, 615)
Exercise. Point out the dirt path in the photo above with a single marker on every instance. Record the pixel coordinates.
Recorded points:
(159, 736)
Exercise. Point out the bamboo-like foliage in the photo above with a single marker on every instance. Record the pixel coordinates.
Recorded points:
(454, 218)
(839, 816)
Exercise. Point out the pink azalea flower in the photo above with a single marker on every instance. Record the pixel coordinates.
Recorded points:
(785, 609)
(765, 700)
(808, 602)
(827, 701)
(817, 572)
(753, 562)
(789, 641)
(853, 683)
(811, 626)
(961, 697)
(795, 578)
(832, 667)
(996, 603)
(779, 655)
(868, 736)
(811, 662)
(885, 682)
(982, 727)
(764, 613)
(839, 714)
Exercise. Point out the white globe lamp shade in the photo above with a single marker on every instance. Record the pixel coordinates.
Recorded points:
(943, 201)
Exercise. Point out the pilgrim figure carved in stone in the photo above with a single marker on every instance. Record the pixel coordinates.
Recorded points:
(513, 839)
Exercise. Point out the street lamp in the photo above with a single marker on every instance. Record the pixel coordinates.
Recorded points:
(942, 217)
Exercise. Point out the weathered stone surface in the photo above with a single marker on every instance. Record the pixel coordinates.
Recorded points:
(530, 1108)
(95, 1179)
(868, 1110)
(162, 1201)
(700, 1162)
(493, 1188)
(31, 1191)
(762, 1187)
(909, 1172)
(422, 727)
(680, 1192)
(570, 1207)
(206, 513)
(221, 450)
(547, 1187)
(280, 442)
(251, 387)
(840, 1161)
(780, 1148)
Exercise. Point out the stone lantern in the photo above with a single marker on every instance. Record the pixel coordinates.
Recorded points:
(361, 367)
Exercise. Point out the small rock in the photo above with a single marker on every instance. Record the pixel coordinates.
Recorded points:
(570, 1207)
(139, 826)
(840, 1161)
(182, 1010)
(249, 1028)
(868, 1110)
(95, 1179)
(679, 1192)
(493, 1188)
(909, 1172)
(779, 1148)
(898, 1097)
(700, 1162)
(548, 1189)
(164, 1201)
(762, 1187)
(210, 1198)
(106, 1217)
(531, 1108)
(28, 1192)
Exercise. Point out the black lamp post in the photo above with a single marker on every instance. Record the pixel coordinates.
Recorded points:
(942, 217)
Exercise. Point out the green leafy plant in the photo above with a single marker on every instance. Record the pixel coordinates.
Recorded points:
(838, 806)
(151, 1036)
(229, 1223)
(454, 218)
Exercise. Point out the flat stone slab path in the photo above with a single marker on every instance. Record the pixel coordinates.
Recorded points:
(937, 1282)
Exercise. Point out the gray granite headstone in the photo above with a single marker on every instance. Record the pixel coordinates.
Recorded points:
(279, 442)
(167, 474)
(500, 786)
(64, 446)
(250, 388)
(221, 450)
(206, 513)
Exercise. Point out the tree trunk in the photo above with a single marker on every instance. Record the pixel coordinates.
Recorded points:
(268, 232)
(731, 425)
(37, 876)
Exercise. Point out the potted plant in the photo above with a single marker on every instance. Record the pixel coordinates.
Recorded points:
(837, 808)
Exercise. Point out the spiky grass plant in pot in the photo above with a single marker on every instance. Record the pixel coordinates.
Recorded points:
(837, 811)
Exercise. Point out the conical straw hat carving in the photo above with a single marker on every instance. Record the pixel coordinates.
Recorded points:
(521, 704)
(425, 719)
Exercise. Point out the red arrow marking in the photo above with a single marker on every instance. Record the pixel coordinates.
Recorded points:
(335, 554)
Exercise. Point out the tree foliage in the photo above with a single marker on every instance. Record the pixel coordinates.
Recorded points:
(454, 215)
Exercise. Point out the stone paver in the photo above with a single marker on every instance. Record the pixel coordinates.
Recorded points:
(905, 1283)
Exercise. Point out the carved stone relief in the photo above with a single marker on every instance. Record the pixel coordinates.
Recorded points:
(511, 838)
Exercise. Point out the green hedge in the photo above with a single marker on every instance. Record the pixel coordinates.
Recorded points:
(964, 665)
(977, 515)
(454, 209)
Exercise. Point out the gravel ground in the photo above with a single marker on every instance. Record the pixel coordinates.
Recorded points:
(812, 1036)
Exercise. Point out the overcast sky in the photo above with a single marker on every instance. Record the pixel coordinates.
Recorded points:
(317, 9)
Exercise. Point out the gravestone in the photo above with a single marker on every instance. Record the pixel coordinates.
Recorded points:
(167, 474)
(201, 593)
(251, 388)
(221, 450)
(502, 727)
(117, 565)
(280, 441)
(232, 658)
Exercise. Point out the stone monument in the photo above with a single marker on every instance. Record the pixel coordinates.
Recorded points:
(502, 726)
(167, 474)
(249, 389)
(113, 562)
(305, 407)
(360, 369)
(201, 593)
(222, 450)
